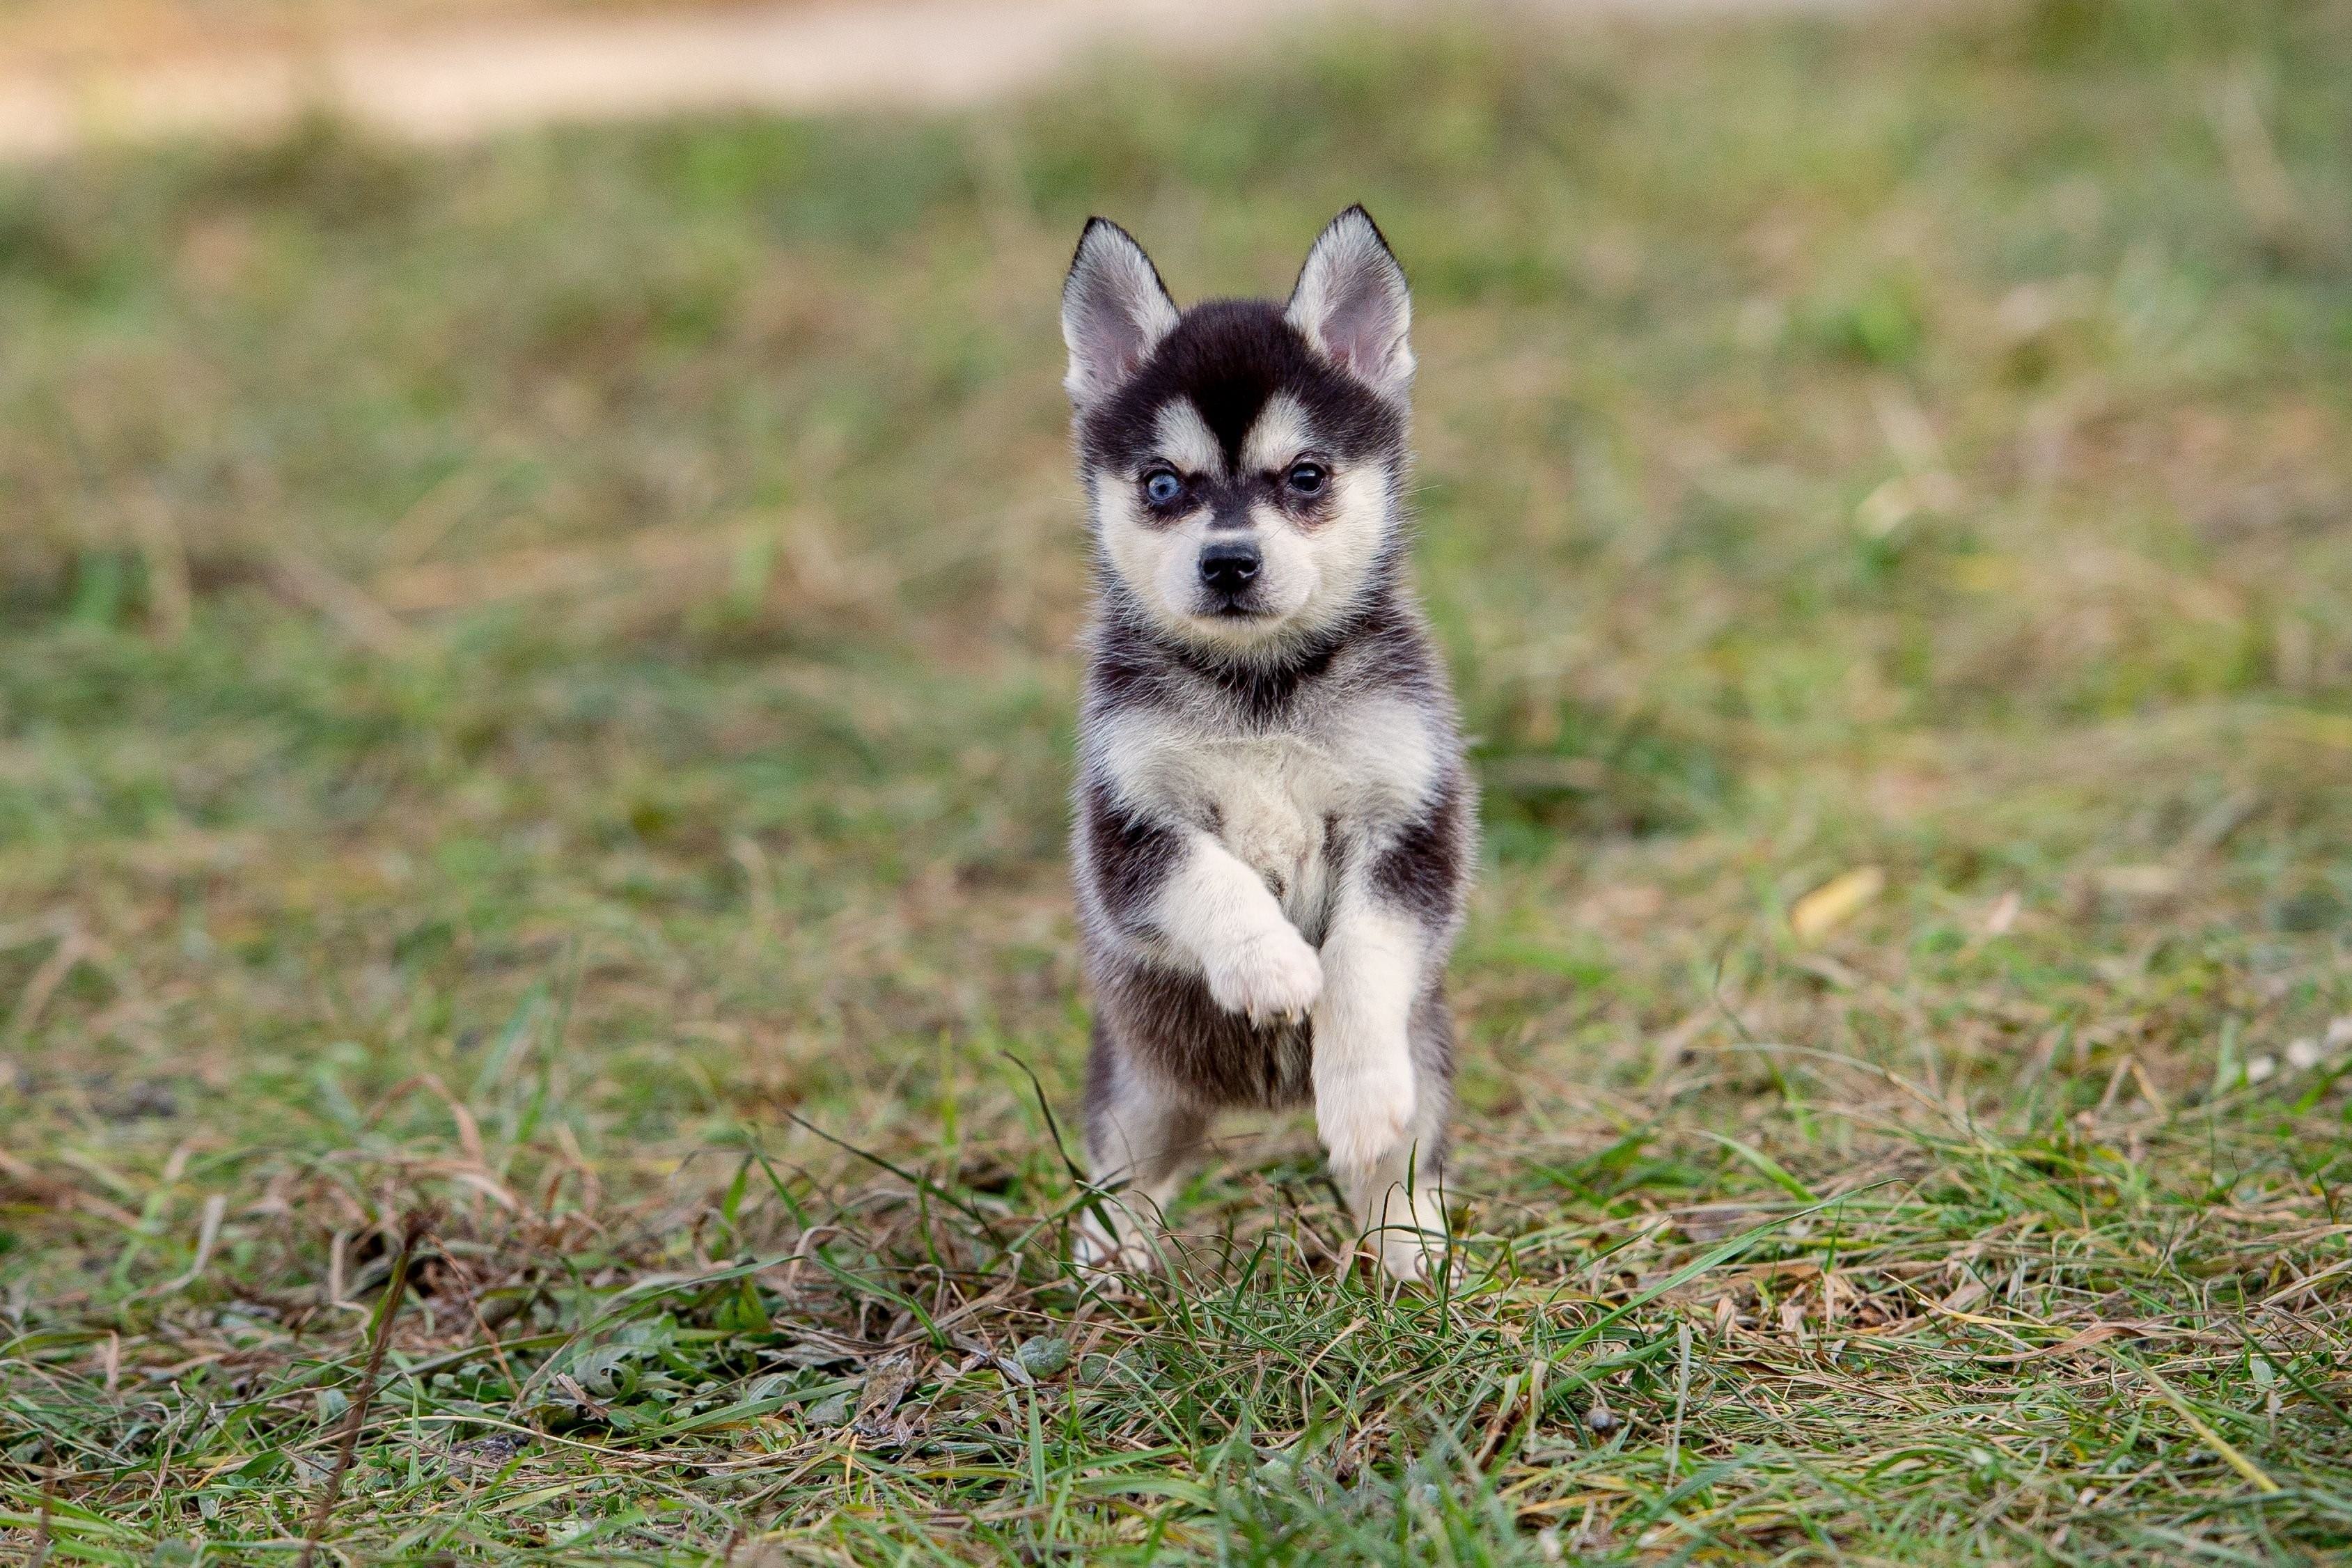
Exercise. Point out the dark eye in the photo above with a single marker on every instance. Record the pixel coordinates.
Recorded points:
(1307, 479)
(1161, 486)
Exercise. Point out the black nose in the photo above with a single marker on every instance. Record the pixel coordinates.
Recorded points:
(1228, 567)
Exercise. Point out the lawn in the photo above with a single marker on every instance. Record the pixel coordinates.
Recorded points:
(535, 705)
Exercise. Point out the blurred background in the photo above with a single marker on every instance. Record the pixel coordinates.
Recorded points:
(552, 523)
(1912, 436)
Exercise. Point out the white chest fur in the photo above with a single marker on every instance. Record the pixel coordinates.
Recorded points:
(1274, 798)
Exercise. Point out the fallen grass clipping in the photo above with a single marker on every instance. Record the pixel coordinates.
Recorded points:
(536, 981)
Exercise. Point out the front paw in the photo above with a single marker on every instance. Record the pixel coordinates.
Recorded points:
(1363, 1111)
(1413, 1253)
(1105, 1250)
(1269, 975)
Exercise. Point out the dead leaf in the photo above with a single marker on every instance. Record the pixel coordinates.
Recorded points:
(884, 1386)
(2002, 917)
(812, 1351)
(2150, 881)
(1835, 902)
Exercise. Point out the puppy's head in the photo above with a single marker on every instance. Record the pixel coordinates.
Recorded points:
(1242, 460)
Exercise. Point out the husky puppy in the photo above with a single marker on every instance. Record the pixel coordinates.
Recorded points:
(1275, 830)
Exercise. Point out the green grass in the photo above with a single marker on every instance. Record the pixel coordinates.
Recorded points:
(535, 700)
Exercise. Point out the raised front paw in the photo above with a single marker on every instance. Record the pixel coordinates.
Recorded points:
(1271, 974)
(1363, 1109)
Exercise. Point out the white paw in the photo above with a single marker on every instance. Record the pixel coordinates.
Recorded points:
(1364, 1111)
(1268, 975)
(1412, 1256)
(1098, 1249)
(1408, 1235)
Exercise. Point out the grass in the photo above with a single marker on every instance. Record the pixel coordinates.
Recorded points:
(535, 695)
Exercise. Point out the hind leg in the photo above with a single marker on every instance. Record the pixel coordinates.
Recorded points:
(1141, 1138)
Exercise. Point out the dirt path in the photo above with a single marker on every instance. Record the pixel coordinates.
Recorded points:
(462, 81)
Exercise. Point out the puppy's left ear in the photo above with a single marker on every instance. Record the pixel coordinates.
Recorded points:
(1353, 305)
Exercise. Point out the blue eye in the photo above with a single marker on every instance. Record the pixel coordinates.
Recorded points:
(1161, 486)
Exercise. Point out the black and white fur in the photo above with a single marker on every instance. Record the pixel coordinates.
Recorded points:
(1275, 829)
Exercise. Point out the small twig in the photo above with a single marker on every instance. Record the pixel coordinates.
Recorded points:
(379, 1340)
(163, 1464)
(1511, 1404)
(311, 585)
(1681, 1398)
(41, 1553)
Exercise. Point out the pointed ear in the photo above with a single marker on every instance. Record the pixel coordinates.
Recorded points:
(1353, 305)
(1115, 310)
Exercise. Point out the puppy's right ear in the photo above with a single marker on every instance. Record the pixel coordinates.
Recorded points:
(1115, 310)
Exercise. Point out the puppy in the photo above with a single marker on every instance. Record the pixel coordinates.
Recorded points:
(1274, 831)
